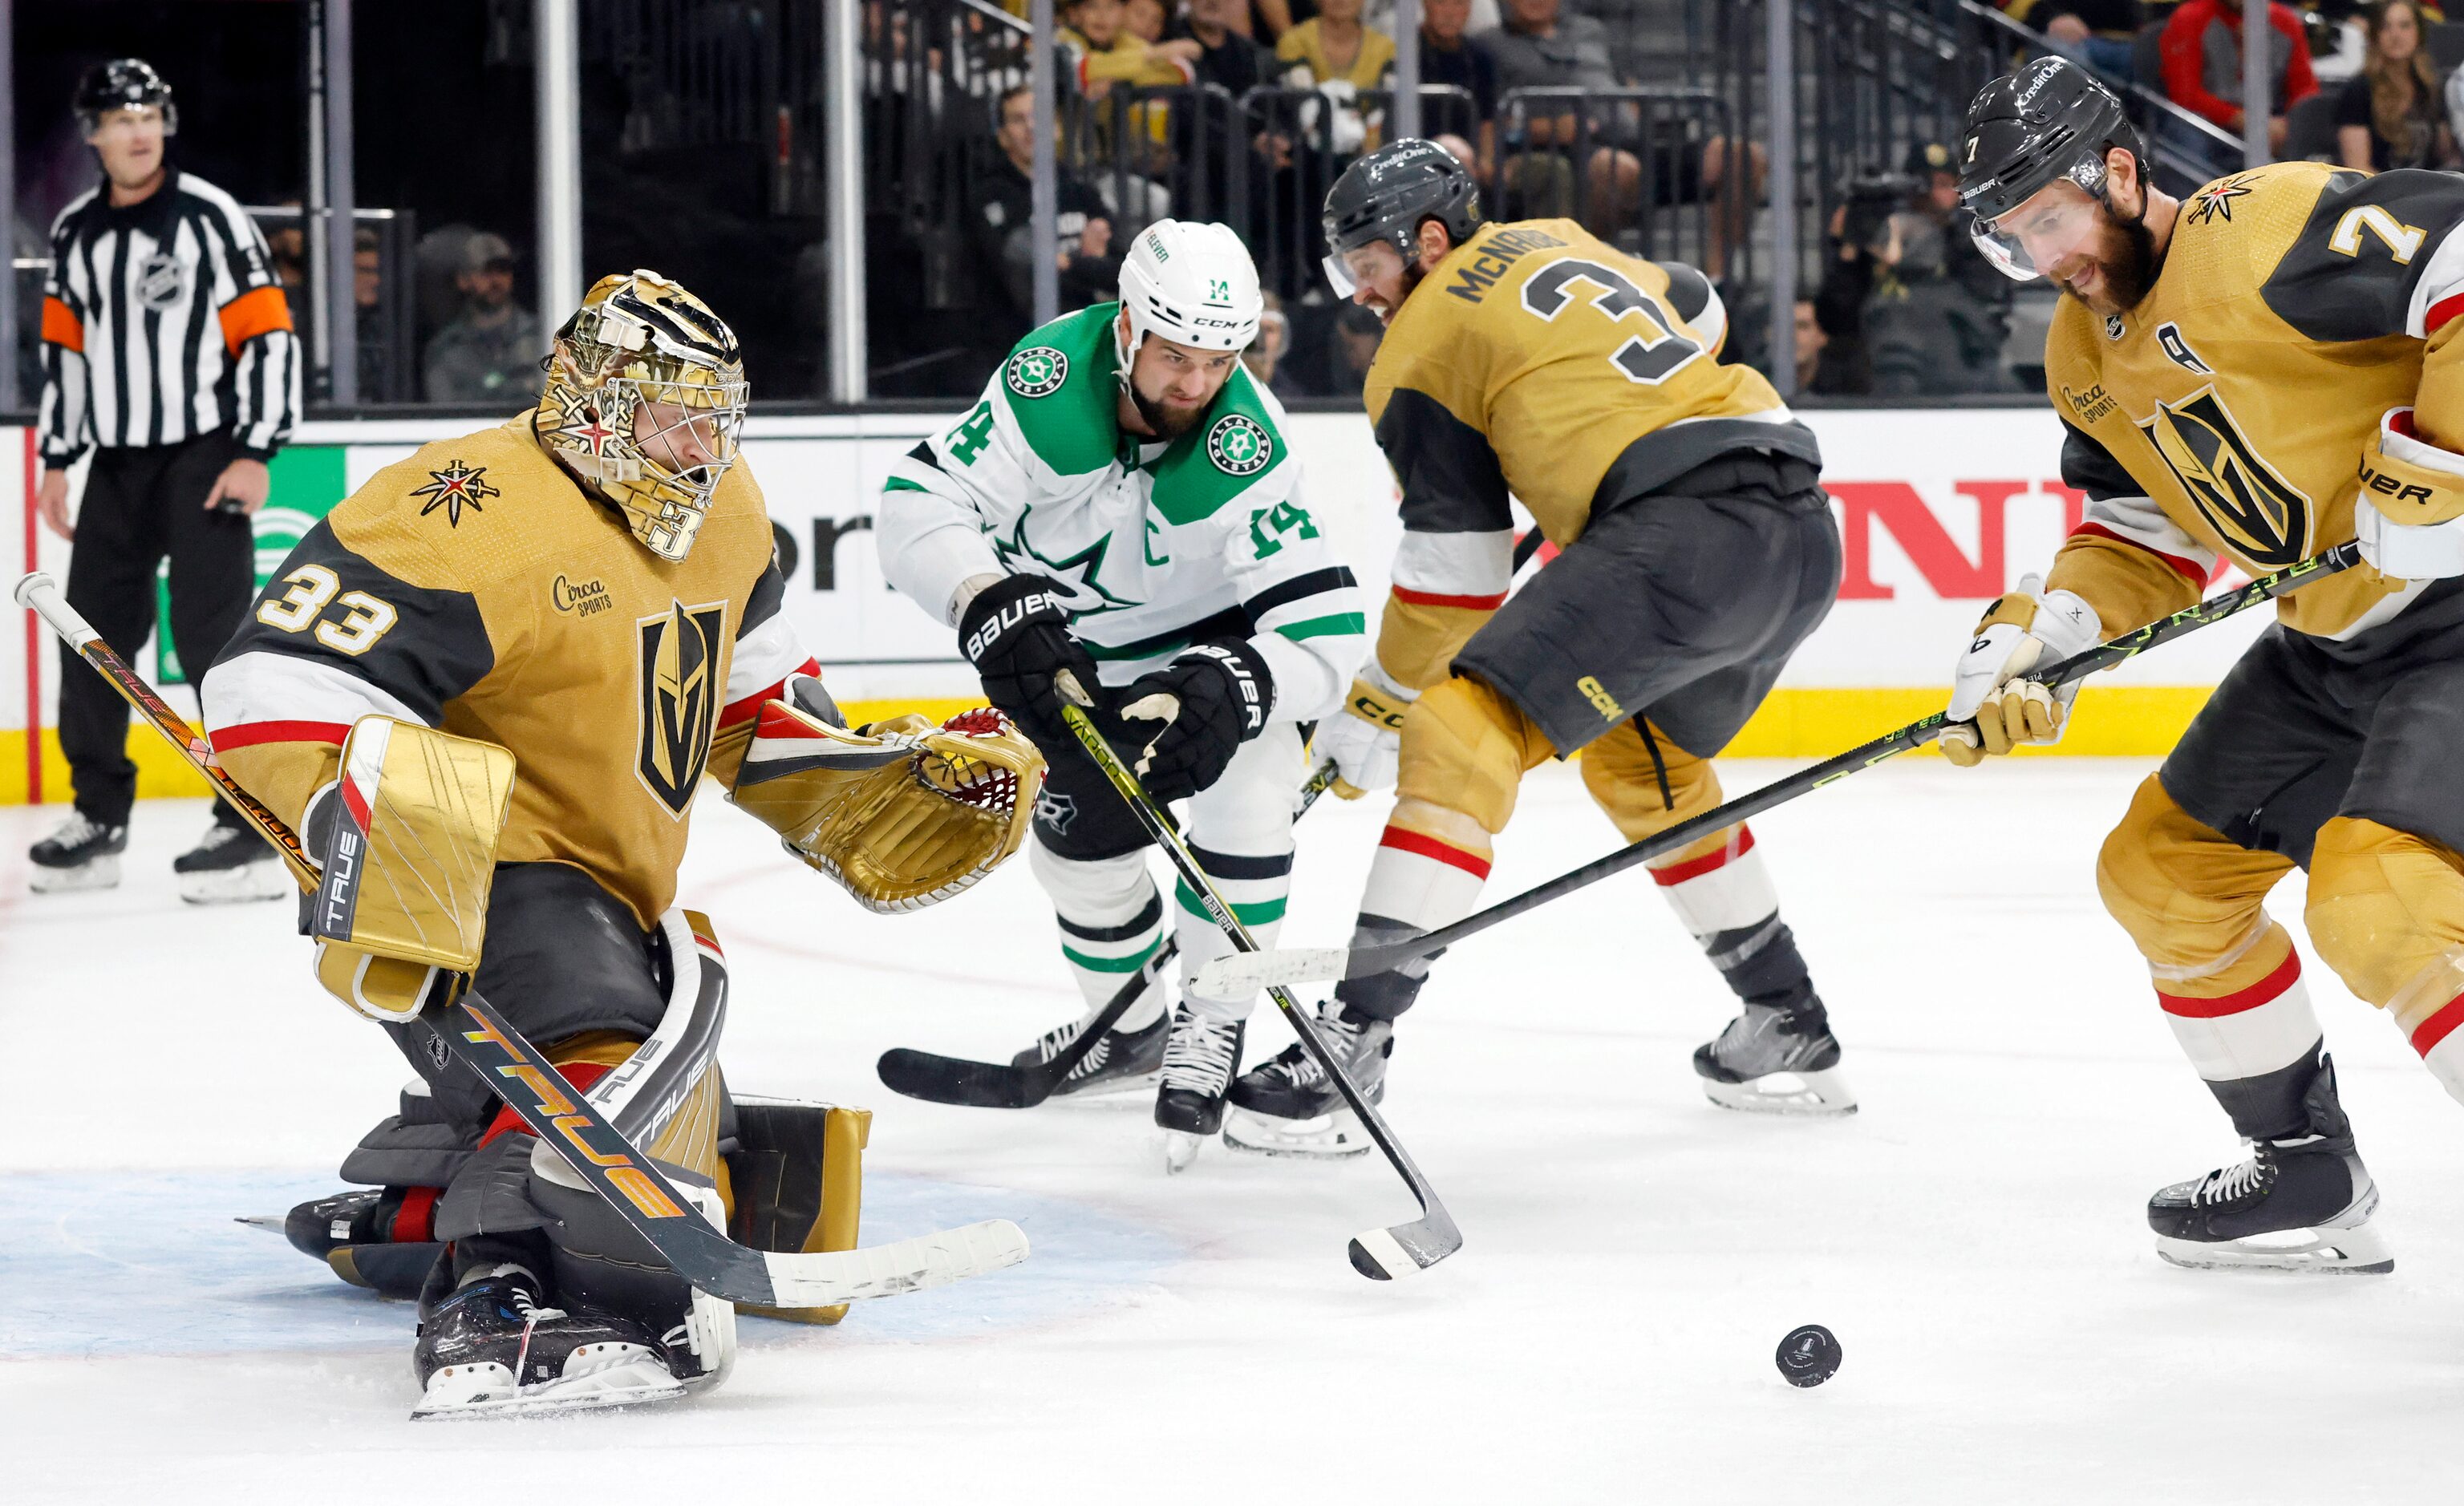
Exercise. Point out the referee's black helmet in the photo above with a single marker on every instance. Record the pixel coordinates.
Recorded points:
(120, 85)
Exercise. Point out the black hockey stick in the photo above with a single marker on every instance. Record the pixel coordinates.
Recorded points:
(1380, 1254)
(968, 1083)
(564, 1118)
(1000, 1085)
(1234, 976)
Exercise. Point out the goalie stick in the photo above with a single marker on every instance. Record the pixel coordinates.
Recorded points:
(1380, 1254)
(483, 1040)
(1245, 973)
(967, 1084)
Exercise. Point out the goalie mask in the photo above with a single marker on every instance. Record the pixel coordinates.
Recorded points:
(644, 400)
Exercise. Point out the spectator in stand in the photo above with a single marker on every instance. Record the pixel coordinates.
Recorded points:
(1001, 224)
(1349, 354)
(1265, 355)
(1447, 57)
(1226, 56)
(2202, 52)
(1099, 50)
(1232, 62)
(1817, 375)
(1926, 335)
(2097, 33)
(491, 353)
(1334, 45)
(1539, 47)
(2388, 115)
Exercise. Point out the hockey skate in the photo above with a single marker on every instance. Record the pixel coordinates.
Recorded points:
(1775, 1059)
(491, 1348)
(79, 855)
(1199, 1062)
(1289, 1107)
(230, 865)
(2302, 1203)
(362, 1235)
(1122, 1061)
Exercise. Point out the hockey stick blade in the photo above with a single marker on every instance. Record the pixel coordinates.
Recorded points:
(1348, 961)
(999, 1085)
(566, 1121)
(1380, 1253)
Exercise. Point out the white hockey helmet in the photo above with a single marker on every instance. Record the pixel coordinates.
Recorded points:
(1193, 284)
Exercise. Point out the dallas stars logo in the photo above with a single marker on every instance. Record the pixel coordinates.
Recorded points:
(1238, 445)
(1033, 373)
(454, 487)
(1076, 575)
(2215, 201)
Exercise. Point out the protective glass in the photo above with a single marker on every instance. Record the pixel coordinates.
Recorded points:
(2053, 226)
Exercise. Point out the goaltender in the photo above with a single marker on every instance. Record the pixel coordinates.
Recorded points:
(2261, 372)
(493, 678)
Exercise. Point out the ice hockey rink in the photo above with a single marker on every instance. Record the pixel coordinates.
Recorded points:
(1631, 1256)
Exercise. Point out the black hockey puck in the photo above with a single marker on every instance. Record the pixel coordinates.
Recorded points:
(1809, 1356)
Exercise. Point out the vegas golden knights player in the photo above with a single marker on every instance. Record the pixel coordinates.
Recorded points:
(2264, 370)
(1698, 552)
(493, 679)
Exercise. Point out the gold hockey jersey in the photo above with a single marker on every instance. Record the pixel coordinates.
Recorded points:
(1537, 359)
(2229, 412)
(476, 588)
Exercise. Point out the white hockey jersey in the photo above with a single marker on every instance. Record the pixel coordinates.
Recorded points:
(1159, 545)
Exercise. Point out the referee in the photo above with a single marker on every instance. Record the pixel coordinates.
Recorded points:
(167, 351)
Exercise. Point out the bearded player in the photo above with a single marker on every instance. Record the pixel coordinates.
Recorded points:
(1121, 513)
(1532, 358)
(2258, 373)
(491, 680)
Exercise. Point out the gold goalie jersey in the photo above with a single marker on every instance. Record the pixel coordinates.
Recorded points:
(2299, 344)
(1538, 360)
(475, 588)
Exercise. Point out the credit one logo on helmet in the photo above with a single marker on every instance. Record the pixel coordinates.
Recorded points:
(1238, 447)
(678, 704)
(1035, 373)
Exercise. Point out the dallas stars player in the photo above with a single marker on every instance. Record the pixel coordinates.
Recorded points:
(1699, 551)
(2260, 373)
(1120, 512)
(491, 680)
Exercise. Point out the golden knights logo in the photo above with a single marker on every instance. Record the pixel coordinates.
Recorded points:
(2259, 514)
(679, 699)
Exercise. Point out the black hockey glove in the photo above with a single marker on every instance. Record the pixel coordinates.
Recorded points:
(1211, 699)
(1016, 632)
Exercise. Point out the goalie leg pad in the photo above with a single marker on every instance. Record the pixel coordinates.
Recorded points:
(798, 1170)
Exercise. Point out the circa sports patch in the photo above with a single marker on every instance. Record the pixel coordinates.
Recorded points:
(1238, 445)
(1033, 373)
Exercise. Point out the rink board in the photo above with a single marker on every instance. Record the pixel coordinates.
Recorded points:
(1940, 511)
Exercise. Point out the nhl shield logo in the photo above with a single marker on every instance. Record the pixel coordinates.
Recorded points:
(1238, 445)
(161, 282)
(679, 699)
(1034, 373)
(2260, 516)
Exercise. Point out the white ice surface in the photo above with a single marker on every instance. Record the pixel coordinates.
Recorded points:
(1974, 1237)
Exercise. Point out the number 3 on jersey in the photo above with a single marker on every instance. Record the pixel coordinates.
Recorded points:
(1650, 357)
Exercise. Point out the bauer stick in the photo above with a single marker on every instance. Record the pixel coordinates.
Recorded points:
(488, 1044)
(1380, 1254)
(966, 1084)
(1231, 976)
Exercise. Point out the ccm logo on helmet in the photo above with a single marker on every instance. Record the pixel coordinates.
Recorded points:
(1035, 604)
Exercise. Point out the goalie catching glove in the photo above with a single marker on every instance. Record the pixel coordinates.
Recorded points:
(1211, 699)
(901, 813)
(2028, 630)
(405, 840)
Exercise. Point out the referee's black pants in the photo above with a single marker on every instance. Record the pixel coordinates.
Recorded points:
(140, 504)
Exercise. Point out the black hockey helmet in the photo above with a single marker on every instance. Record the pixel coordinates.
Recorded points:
(2047, 122)
(1387, 194)
(120, 85)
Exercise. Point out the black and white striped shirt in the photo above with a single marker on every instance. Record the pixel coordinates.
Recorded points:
(162, 322)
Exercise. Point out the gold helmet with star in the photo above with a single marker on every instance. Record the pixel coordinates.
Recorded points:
(644, 399)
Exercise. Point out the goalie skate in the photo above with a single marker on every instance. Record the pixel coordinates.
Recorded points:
(490, 1349)
(1777, 1061)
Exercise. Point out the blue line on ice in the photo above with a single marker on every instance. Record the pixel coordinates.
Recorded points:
(124, 1264)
